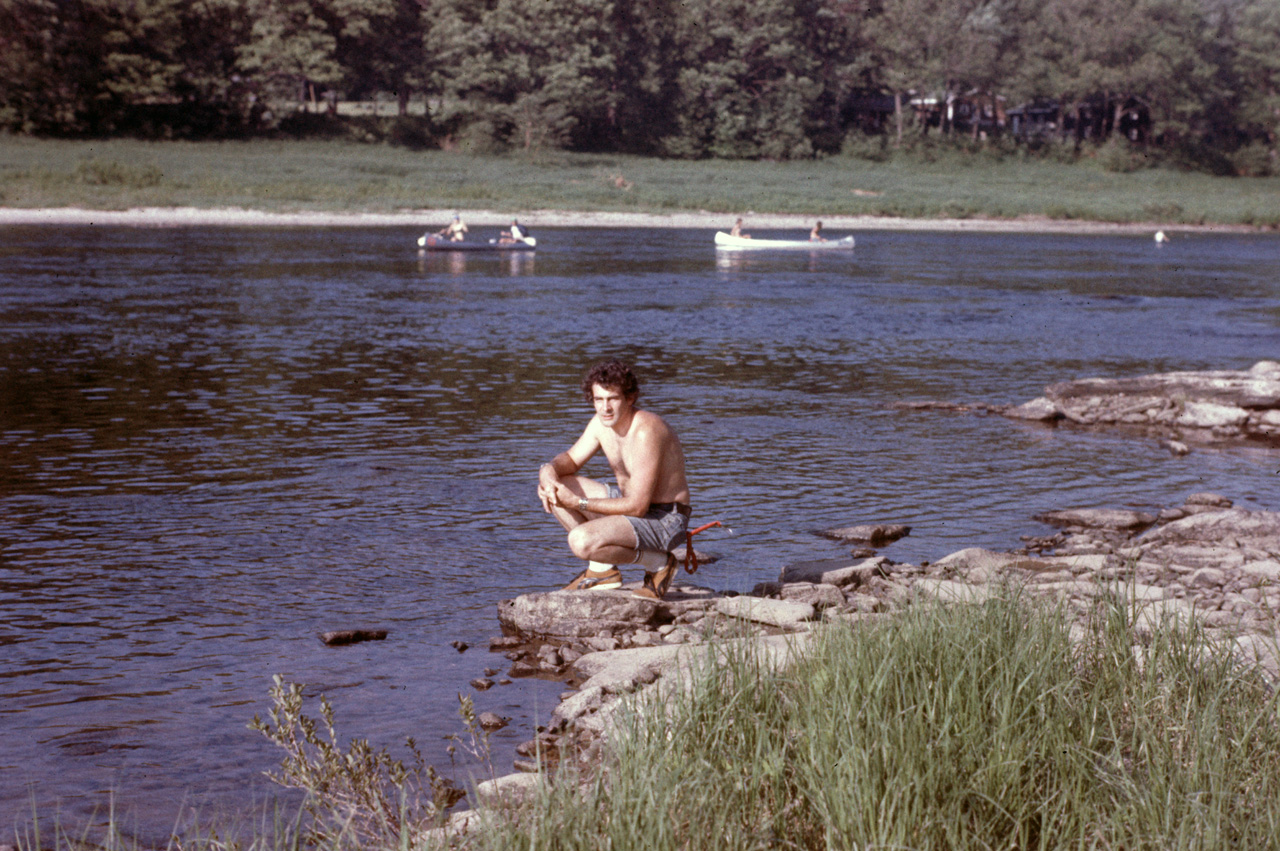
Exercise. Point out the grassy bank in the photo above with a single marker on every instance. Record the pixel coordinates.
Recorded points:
(278, 176)
(969, 728)
(974, 727)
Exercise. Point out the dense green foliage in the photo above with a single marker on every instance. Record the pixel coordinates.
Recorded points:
(1195, 79)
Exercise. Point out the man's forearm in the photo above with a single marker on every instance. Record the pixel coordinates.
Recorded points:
(551, 473)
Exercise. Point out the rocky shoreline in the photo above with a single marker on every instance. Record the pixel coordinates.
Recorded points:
(1204, 561)
(1180, 409)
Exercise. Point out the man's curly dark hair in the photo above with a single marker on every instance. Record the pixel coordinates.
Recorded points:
(614, 375)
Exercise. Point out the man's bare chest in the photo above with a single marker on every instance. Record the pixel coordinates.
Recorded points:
(617, 452)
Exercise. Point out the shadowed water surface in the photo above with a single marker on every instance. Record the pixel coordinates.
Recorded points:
(216, 444)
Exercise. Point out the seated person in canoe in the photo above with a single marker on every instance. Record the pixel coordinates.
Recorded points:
(516, 234)
(736, 230)
(815, 235)
(456, 230)
(642, 517)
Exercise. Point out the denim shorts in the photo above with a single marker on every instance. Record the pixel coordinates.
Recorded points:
(657, 530)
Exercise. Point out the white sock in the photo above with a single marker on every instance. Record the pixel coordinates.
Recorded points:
(599, 567)
(652, 559)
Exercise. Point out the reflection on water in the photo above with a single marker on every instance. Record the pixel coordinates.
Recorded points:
(510, 263)
(216, 444)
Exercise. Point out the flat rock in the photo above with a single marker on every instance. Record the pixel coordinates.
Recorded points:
(510, 790)
(877, 535)
(1211, 415)
(779, 613)
(834, 571)
(1208, 405)
(1234, 527)
(1257, 387)
(576, 614)
(819, 596)
(1098, 518)
(949, 591)
(982, 562)
(615, 671)
(1037, 410)
(1267, 570)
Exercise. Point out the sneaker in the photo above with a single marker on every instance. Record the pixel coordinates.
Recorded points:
(656, 584)
(588, 580)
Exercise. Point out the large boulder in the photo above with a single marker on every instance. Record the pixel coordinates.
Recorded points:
(576, 614)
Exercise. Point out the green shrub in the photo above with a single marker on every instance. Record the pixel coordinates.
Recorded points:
(865, 146)
(1256, 159)
(1119, 156)
(94, 172)
(357, 795)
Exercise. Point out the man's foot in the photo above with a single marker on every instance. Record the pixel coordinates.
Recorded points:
(656, 584)
(589, 580)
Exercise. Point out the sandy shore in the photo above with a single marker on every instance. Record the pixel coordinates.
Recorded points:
(236, 217)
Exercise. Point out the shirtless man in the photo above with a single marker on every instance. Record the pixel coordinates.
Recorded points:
(637, 521)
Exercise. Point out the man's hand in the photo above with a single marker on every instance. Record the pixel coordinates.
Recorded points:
(548, 487)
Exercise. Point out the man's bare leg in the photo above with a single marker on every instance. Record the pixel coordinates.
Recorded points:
(601, 569)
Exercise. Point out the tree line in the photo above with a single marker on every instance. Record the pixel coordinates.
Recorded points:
(682, 78)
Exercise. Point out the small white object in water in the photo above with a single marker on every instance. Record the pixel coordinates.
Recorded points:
(1160, 237)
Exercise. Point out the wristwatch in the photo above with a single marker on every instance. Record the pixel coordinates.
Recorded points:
(582, 504)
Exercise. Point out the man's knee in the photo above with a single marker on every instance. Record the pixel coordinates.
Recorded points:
(581, 542)
(587, 540)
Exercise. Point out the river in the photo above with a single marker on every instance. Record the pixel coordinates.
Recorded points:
(216, 444)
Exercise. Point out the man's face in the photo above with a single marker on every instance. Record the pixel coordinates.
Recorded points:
(611, 406)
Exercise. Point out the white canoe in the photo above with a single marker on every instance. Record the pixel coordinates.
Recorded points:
(726, 242)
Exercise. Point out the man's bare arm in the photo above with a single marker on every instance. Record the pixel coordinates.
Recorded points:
(565, 464)
(644, 463)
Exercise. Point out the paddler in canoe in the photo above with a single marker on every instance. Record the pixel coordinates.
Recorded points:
(456, 230)
(517, 233)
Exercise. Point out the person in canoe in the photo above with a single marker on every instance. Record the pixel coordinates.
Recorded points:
(736, 230)
(517, 233)
(456, 230)
(645, 514)
(815, 235)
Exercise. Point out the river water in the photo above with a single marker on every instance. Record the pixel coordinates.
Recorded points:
(216, 444)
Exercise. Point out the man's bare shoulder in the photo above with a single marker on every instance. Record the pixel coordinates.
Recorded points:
(649, 424)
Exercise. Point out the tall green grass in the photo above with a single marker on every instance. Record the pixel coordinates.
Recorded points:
(1004, 725)
(346, 176)
(961, 728)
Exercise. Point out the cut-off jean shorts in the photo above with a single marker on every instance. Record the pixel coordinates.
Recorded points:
(660, 530)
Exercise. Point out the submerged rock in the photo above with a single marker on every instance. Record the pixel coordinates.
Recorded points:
(876, 535)
(339, 637)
